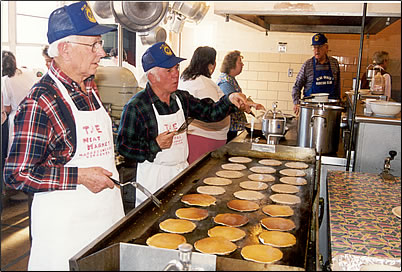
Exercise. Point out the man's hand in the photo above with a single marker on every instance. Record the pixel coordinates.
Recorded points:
(296, 109)
(165, 139)
(240, 101)
(95, 178)
(257, 106)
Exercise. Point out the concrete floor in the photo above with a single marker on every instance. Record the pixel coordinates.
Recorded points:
(15, 244)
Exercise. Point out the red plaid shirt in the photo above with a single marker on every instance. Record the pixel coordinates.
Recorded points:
(43, 142)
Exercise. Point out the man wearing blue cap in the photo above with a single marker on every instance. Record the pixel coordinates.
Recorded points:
(63, 150)
(319, 74)
(147, 133)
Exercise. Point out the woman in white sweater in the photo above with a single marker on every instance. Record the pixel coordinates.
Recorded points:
(196, 79)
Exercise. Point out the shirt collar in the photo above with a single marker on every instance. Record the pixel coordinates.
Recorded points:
(60, 75)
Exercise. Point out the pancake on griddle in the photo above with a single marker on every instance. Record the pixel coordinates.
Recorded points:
(261, 177)
(215, 245)
(229, 174)
(293, 180)
(195, 214)
(262, 169)
(217, 181)
(202, 200)
(233, 166)
(242, 205)
(275, 223)
(253, 185)
(277, 238)
(240, 159)
(248, 195)
(177, 225)
(297, 165)
(166, 240)
(261, 253)
(292, 172)
(284, 188)
(211, 190)
(285, 199)
(230, 233)
(268, 162)
(278, 210)
(231, 219)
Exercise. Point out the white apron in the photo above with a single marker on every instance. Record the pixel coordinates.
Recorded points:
(64, 222)
(169, 162)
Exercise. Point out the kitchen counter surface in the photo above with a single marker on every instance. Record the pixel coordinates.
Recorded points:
(363, 117)
(361, 218)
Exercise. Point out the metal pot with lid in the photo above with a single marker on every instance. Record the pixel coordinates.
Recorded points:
(318, 127)
(273, 123)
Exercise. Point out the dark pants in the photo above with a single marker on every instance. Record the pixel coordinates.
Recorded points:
(231, 135)
(4, 146)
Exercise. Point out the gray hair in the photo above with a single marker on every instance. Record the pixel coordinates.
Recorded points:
(53, 51)
(154, 72)
(380, 57)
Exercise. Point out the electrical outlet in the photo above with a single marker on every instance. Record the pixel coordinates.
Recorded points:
(290, 72)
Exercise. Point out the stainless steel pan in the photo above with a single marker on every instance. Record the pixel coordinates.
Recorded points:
(139, 16)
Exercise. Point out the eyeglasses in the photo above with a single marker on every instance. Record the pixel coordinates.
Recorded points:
(95, 46)
(317, 47)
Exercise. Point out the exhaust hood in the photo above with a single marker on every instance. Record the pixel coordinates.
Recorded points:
(327, 17)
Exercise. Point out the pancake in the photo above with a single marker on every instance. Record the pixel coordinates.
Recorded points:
(177, 225)
(202, 200)
(231, 219)
(274, 223)
(284, 188)
(297, 165)
(166, 240)
(277, 238)
(285, 199)
(242, 205)
(253, 185)
(215, 245)
(268, 162)
(211, 190)
(397, 211)
(261, 253)
(229, 174)
(293, 180)
(278, 210)
(217, 181)
(234, 166)
(230, 233)
(261, 177)
(248, 195)
(195, 214)
(262, 169)
(292, 172)
(240, 159)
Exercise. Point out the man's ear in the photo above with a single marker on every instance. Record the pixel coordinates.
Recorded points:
(64, 49)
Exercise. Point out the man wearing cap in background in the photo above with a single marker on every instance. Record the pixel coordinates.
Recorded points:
(149, 120)
(63, 151)
(319, 74)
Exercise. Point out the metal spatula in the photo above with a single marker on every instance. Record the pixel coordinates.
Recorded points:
(184, 126)
(141, 188)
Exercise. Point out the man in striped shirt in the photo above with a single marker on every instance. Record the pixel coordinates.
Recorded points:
(319, 74)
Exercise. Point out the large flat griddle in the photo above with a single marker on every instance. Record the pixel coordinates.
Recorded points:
(143, 221)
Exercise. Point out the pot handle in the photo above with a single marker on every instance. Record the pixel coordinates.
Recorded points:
(317, 116)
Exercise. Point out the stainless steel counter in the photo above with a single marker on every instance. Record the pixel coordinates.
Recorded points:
(363, 117)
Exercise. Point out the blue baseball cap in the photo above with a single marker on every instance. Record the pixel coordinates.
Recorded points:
(75, 19)
(319, 39)
(159, 55)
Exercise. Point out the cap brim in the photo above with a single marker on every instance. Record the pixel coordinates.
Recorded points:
(97, 30)
(170, 62)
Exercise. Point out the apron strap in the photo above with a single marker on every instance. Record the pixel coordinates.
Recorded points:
(66, 116)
